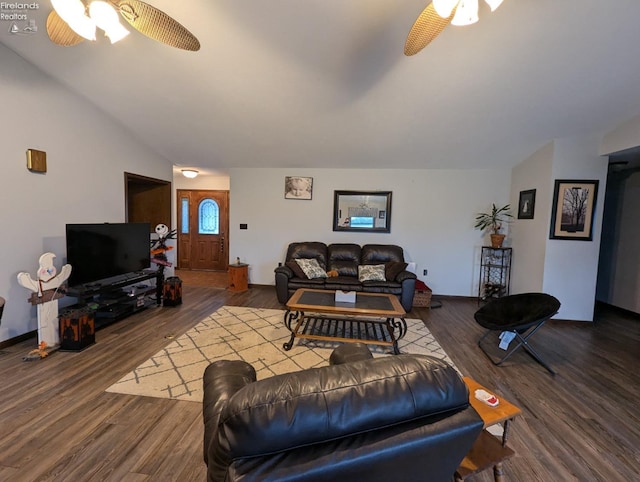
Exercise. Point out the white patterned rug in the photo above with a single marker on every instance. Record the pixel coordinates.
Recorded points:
(250, 334)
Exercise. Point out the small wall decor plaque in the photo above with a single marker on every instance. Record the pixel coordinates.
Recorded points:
(36, 160)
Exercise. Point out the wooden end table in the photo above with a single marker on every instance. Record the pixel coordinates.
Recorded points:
(238, 277)
(488, 450)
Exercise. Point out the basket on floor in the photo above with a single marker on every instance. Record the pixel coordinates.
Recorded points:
(422, 295)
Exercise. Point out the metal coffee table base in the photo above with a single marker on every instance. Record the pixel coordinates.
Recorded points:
(346, 330)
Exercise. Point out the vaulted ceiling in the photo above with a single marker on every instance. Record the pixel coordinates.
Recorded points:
(325, 83)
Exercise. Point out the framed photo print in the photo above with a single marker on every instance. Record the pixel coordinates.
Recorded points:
(296, 187)
(573, 208)
(527, 204)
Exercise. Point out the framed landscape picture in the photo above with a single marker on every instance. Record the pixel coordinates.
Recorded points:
(527, 204)
(573, 208)
(296, 187)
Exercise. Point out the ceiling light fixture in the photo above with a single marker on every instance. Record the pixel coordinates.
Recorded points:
(106, 18)
(72, 21)
(444, 7)
(190, 173)
(494, 4)
(101, 14)
(73, 12)
(437, 15)
(466, 13)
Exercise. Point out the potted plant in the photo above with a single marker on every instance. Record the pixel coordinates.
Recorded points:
(493, 221)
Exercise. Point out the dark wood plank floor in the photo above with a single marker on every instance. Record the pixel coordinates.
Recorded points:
(213, 279)
(58, 423)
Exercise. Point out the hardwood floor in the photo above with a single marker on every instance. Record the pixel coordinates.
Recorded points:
(58, 423)
(212, 279)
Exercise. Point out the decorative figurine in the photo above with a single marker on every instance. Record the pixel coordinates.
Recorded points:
(45, 295)
(159, 249)
(159, 246)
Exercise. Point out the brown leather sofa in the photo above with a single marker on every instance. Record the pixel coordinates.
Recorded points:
(344, 258)
(404, 417)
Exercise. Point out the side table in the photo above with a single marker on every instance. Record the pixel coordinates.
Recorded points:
(238, 277)
(488, 450)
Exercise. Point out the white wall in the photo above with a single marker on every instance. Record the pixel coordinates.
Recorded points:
(528, 236)
(571, 267)
(203, 181)
(566, 269)
(87, 155)
(624, 136)
(432, 218)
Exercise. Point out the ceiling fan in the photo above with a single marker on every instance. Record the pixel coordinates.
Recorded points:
(73, 21)
(435, 18)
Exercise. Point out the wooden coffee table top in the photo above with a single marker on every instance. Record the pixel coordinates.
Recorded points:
(490, 415)
(367, 304)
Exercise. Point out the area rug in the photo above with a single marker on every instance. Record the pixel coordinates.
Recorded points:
(251, 334)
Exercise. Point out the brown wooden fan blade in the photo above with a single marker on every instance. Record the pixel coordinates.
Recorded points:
(60, 33)
(157, 25)
(426, 27)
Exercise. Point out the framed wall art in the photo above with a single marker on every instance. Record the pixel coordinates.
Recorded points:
(574, 204)
(296, 187)
(527, 204)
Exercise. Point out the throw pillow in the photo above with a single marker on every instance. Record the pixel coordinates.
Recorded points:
(297, 270)
(311, 268)
(371, 272)
(393, 269)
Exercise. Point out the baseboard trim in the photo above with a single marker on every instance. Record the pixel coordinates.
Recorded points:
(618, 309)
(18, 339)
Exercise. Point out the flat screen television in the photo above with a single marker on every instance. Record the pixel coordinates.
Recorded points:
(100, 251)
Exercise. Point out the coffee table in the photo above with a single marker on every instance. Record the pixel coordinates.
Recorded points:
(488, 450)
(372, 319)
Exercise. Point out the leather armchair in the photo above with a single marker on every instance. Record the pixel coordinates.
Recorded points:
(405, 417)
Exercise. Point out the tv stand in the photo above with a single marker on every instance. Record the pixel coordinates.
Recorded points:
(116, 298)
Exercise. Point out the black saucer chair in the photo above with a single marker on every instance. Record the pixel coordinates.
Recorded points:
(523, 315)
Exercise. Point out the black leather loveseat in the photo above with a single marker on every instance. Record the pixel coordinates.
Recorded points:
(344, 259)
(404, 417)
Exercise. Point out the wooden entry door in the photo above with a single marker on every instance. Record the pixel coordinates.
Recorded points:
(203, 224)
